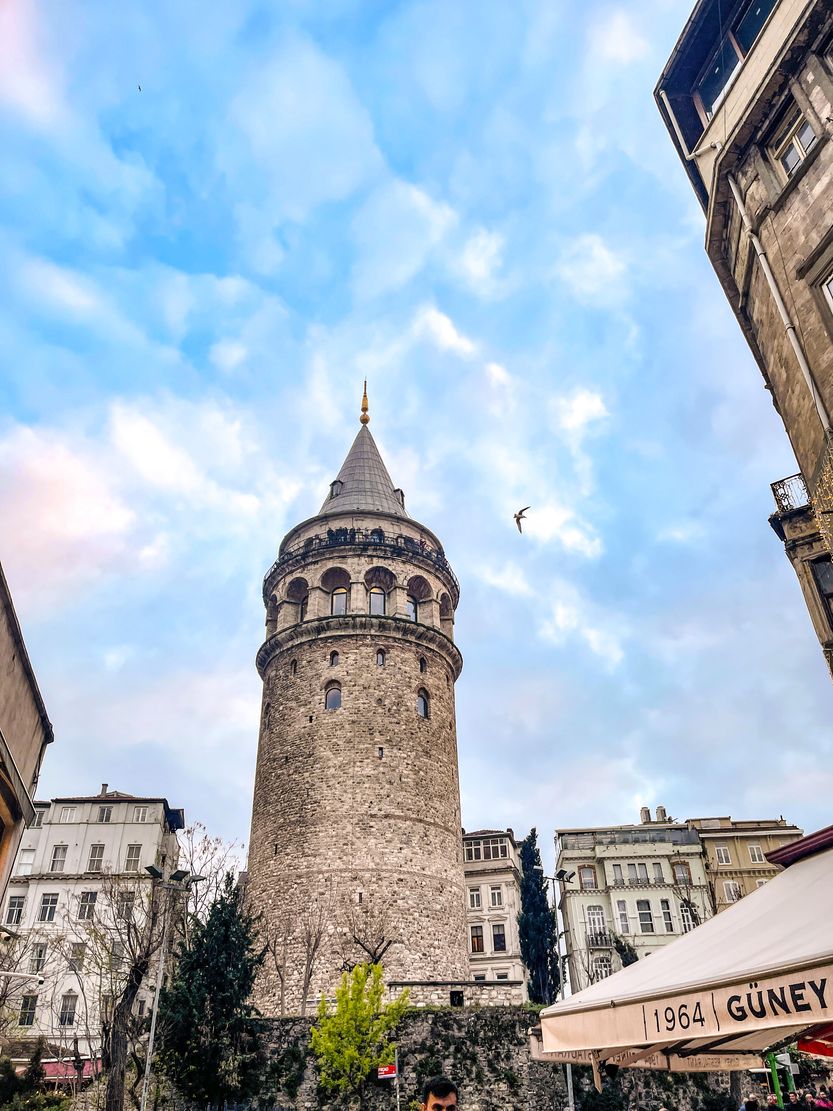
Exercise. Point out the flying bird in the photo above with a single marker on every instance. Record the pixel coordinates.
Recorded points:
(519, 516)
(139, 88)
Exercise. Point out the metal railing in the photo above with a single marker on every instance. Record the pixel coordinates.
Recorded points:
(790, 493)
(369, 539)
(628, 837)
(599, 939)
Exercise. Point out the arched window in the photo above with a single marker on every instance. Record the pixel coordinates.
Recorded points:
(298, 592)
(377, 599)
(336, 582)
(423, 704)
(333, 659)
(332, 697)
(293, 668)
(419, 591)
(602, 968)
(380, 657)
(338, 601)
(423, 666)
(412, 607)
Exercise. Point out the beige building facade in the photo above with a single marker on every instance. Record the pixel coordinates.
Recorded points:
(630, 886)
(492, 870)
(25, 731)
(356, 849)
(747, 97)
(736, 852)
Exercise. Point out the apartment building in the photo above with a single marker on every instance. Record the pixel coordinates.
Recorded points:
(736, 852)
(492, 871)
(747, 97)
(76, 910)
(627, 890)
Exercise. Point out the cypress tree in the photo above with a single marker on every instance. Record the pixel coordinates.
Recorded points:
(537, 925)
(210, 1036)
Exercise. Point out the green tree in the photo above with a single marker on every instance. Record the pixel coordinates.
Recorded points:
(537, 925)
(351, 1041)
(627, 953)
(210, 1037)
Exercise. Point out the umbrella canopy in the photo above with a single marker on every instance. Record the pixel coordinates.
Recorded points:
(752, 978)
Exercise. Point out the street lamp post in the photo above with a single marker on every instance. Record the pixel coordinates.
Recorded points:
(178, 881)
(565, 876)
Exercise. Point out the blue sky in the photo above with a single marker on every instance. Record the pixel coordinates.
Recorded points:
(475, 206)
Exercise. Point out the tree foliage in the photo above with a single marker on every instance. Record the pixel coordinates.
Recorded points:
(627, 953)
(537, 925)
(352, 1040)
(22, 1091)
(210, 1039)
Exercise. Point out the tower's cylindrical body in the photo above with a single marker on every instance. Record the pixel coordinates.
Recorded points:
(355, 849)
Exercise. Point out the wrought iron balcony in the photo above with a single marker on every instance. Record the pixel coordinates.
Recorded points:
(374, 540)
(790, 493)
(599, 939)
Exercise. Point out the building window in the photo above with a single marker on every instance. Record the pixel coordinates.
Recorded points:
(823, 568)
(132, 858)
(682, 873)
(37, 822)
(86, 905)
(732, 49)
(473, 850)
(423, 704)
(378, 601)
(501, 975)
(106, 1007)
(333, 659)
(637, 873)
(617, 873)
(731, 890)
(380, 657)
(595, 923)
(423, 666)
(332, 697)
(496, 896)
(25, 860)
(658, 876)
(479, 977)
(140, 813)
(646, 918)
(665, 907)
(96, 861)
(477, 939)
(336, 486)
(602, 968)
(14, 911)
(498, 937)
(792, 144)
(622, 912)
(587, 877)
(116, 955)
(37, 958)
(494, 848)
(48, 905)
(293, 668)
(412, 607)
(28, 1005)
(76, 956)
(105, 814)
(723, 856)
(474, 898)
(686, 918)
(338, 602)
(125, 901)
(760, 883)
(69, 1002)
(67, 814)
(59, 858)
(141, 1007)
(756, 854)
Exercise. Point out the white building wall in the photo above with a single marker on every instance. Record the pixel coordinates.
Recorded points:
(487, 871)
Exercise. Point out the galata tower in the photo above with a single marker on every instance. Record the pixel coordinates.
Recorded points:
(355, 850)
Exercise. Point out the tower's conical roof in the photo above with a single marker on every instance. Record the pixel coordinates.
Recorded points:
(364, 482)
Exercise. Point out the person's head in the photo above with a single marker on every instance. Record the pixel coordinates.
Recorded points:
(439, 1093)
(750, 1103)
(772, 1100)
(793, 1097)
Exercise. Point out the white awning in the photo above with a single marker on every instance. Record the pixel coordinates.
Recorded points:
(754, 976)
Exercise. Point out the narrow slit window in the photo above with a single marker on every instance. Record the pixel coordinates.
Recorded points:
(423, 704)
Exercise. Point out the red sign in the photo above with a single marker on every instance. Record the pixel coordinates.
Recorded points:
(386, 1072)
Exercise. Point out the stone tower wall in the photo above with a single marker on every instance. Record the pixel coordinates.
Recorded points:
(356, 817)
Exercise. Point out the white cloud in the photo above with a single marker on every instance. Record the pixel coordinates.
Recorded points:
(498, 375)
(682, 532)
(614, 38)
(580, 409)
(395, 233)
(554, 522)
(571, 618)
(592, 270)
(227, 354)
(440, 329)
(60, 287)
(28, 82)
(509, 578)
(480, 259)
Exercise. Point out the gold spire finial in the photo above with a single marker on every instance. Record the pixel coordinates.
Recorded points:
(364, 418)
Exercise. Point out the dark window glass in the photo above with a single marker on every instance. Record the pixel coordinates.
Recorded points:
(717, 75)
(823, 574)
(422, 704)
(377, 601)
(499, 938)
(302, 608)
(333, 659)
(332, 699)
(750, 24)
(790, 159)
(477, 939)
(423, 666)
(412, 607)
(338, 602)
(28, 1004)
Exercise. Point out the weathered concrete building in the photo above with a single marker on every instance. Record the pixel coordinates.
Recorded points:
(736, 854)
(747, 97)
(492, 870)
(25, 731)
(356, 848)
